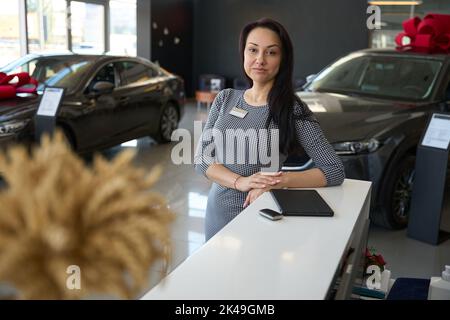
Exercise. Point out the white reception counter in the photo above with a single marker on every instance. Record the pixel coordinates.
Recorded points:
(293, 258)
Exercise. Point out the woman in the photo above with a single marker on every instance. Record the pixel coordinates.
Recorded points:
(270, 104)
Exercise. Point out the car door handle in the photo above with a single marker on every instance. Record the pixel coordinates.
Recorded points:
(124, 99)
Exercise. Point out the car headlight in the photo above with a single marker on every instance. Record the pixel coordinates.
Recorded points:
(10, 127)
(356, 147)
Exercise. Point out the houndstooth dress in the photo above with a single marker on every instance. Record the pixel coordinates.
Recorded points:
(224, 204)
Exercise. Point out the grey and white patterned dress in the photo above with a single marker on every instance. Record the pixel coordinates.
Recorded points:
(224, 203)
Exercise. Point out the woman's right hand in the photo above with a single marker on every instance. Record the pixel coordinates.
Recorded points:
(257, 181)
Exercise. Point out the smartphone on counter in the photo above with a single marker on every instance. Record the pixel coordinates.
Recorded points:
(270, 214)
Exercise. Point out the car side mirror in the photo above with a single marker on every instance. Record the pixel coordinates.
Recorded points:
(102, 87)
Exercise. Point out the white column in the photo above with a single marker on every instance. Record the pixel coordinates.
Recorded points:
(23, 33)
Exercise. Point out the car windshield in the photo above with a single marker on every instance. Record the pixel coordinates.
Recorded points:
(396, 77)
(58, 71)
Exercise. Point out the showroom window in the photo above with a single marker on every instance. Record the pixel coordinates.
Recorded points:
(123, 27)
(87, 27)
(9, 31)
(84, 26)
(47, 25)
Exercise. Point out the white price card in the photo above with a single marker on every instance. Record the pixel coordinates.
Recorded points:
(50, 101)
(438, 132)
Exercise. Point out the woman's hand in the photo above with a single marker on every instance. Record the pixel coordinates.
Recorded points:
(253, 195)
(257, 181)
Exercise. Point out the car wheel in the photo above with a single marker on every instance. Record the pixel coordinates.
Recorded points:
(396, 195)
(168, 123)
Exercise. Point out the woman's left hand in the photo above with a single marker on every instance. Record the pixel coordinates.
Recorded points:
(253, 195)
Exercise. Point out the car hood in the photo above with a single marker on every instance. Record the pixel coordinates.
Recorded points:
(25, 107)
(347, 118)
(18, 107)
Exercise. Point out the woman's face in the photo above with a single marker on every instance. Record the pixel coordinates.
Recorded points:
(262, 55)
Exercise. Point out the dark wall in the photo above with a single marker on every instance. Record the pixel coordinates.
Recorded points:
(174, 50)
(321, 31)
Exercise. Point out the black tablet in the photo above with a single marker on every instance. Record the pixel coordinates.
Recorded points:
(301, 203)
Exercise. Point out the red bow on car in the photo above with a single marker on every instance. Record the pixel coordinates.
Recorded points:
(24, 84)
(430, 35)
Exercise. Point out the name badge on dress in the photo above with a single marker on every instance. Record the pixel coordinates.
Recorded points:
(237, 112)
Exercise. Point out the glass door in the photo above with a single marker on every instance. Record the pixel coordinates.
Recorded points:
(87, 27)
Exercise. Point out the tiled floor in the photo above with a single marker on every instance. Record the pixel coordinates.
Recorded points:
(187, 192)
(406, 257)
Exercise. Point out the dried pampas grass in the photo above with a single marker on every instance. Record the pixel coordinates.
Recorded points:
(55, 213)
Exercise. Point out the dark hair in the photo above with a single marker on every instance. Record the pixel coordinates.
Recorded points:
(282, 97)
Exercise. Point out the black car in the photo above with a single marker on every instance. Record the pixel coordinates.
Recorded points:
(108, 100)
(373, 106)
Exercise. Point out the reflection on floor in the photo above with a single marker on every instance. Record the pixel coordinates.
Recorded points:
(409, 258)
(187, 192)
